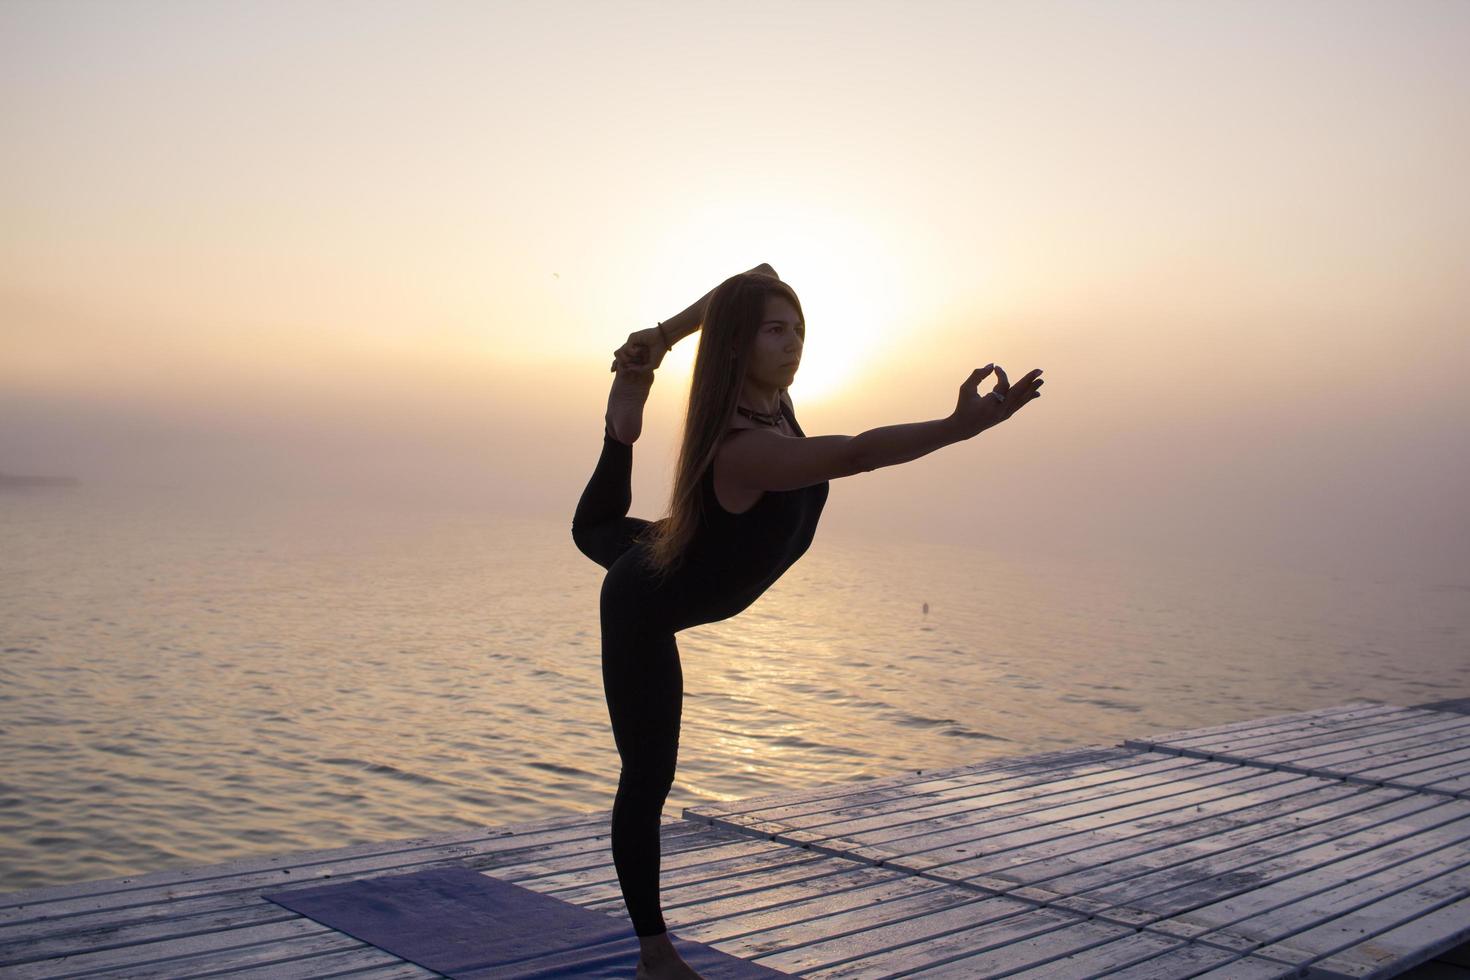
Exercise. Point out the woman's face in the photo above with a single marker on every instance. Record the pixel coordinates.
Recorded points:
(776, 352)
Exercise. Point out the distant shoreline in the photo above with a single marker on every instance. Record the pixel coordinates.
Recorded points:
(11, 480)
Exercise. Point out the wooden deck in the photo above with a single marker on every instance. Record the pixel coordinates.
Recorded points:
(1329, 843)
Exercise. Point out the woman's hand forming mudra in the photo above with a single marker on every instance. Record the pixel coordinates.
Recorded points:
(975, 412)
(645, 348)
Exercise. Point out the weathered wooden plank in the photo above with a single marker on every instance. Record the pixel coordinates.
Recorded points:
(1198, 961)
(554, 870)
(751, 917)
(1403, 744)
(957, 822)
(1157, 895)
(989, 924)
(568, 825)
(591, 887)
(852, 898)
(171, 923)
(169, 917)
(1424, 772)
(1387, 902)
(691, 866)
(954, 854)
(1252, 744)
(176, 904)
(1294, 722)
(1177, 836)
(1322, 750)
(1458, 786)
(802, 813)
(1170, 858)
(1004, 846)
(1388, 953)
(244, 947)
(1183, 736)
(58, 902)
(1185, 864)
(1271, 916)
(1439, 770)
(1379, 914)
(863, 951)
(1412, 767)
(1109, 957)
(870, 828)
(1079, 938)
(1410, 747)
(909, 784)
(1248, 968)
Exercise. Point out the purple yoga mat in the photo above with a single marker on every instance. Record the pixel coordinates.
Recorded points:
(470, 926)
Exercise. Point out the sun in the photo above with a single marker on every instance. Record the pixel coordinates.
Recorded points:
(851, 313)
(843, 267)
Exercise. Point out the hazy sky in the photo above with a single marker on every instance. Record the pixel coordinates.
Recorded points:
(388, 249)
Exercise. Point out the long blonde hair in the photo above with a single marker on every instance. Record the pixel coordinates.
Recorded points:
(731, 320)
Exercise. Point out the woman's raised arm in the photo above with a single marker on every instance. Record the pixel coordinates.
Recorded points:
(649, 343)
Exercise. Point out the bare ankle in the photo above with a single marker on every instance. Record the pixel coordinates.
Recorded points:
(655, 949)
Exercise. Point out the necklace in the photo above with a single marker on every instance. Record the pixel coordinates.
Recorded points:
(760, 417)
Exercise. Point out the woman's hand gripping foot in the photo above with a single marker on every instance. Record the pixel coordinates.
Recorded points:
(629, 393)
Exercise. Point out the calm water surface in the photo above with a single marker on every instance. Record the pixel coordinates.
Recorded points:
(188, 682)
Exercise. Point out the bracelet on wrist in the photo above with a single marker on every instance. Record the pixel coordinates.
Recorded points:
(662, 336)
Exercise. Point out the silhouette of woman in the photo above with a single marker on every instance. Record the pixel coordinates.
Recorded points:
(748, 490)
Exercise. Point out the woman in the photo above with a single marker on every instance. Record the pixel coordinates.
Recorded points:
(748, 490)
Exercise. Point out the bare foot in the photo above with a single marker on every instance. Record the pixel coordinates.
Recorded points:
(625, 402)
(665, 965)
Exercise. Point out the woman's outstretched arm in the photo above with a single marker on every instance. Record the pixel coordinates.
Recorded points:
(675, 328)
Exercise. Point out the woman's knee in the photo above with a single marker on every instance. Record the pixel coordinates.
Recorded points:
(649, 781)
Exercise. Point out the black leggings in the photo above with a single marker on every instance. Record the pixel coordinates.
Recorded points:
(641, 678)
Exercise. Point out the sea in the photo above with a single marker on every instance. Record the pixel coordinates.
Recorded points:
(188, 680)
